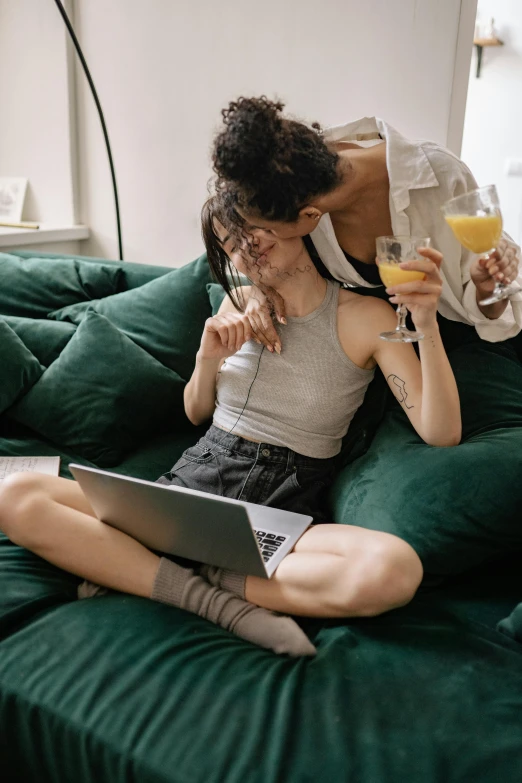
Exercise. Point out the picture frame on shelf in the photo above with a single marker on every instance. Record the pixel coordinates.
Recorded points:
(12, 197)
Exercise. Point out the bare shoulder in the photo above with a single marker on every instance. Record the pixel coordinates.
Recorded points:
(356, 307)
(359, 321)
(242, 293)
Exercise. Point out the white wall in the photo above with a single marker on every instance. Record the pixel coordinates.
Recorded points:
(493, 125)
(165, 68)
(35, 138)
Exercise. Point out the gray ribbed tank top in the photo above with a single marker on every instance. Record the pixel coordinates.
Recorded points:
(303, 399)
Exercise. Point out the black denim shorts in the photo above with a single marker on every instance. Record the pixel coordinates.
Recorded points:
(228, 465)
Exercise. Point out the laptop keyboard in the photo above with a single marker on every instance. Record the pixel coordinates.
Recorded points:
(269, 543)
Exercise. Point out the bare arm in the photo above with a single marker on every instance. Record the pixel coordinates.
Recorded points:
(426, 389)
(223, 336)
(434, 405)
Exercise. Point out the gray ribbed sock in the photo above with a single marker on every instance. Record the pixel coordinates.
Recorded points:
(183, 588)
(227, 580)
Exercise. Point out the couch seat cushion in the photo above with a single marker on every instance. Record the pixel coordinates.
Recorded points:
(120, 688)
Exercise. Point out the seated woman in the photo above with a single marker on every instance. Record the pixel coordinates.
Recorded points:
(278, 423)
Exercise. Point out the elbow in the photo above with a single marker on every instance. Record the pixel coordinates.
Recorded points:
(450, 438)
(195, 416)
(453, 440)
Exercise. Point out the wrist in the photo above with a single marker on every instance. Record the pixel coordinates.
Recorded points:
(202, 359)
(432, 330)
(483, 291)
(429, 326)
(484, 287)
(432, 337)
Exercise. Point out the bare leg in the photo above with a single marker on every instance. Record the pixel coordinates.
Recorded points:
(340, 571)
(51, 517)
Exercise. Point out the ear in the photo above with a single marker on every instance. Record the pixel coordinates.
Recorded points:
(310, 213)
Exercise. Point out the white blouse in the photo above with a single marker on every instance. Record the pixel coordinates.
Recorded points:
(423, 176)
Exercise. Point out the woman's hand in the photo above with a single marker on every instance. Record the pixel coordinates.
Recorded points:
(501, 267)
(421, 297)
(262, 302)
(224, 334)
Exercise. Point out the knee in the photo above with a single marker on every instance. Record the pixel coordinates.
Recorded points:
(21, 498)
(385, 576)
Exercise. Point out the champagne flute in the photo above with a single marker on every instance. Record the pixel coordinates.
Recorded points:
(391, 252)
(476, 220)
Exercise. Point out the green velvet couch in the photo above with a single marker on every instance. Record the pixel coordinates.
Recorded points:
(93, 356)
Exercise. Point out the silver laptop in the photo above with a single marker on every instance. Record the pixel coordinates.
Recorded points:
(244, 537)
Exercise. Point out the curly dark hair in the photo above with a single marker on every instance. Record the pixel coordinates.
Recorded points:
(269, 165)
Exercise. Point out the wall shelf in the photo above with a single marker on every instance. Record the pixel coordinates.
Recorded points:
(17, 237)
(480, 43)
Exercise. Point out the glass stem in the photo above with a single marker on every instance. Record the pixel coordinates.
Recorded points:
(402, 313)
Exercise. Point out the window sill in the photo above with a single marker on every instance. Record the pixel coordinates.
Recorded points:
(17, 237)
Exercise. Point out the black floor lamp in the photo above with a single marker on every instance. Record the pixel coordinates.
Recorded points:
(102, 119)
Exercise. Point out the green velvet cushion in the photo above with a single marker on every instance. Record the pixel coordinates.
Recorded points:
(120, 689)
(35, 286)
(165, 316)
(457, 506)
(102, 395)
(216, 294)
(19, 369)
(512, 625)
(45, 339)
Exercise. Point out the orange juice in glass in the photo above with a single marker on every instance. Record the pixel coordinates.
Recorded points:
(479, 233)
(391, 252)
(392, 274)
(476, 220)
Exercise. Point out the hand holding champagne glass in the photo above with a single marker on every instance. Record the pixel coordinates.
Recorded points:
(394, 253)
(476, 220)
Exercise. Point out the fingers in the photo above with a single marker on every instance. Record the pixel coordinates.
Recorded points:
(260, 318)
(429, 267)
(416, 287)
(264, 330)
(432, 254)
(259, 335)
(423, 300)
(502, 264)
(279, 307)
(233, 330)
(262, 337)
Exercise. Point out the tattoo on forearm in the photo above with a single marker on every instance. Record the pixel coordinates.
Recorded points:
(400, 390)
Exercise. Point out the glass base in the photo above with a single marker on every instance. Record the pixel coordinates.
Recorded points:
(402, 336)
(501, 292)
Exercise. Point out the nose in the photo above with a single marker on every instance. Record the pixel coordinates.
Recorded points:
(249, 241)
(263, 233)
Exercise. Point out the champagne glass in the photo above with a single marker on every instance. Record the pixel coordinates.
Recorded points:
(391, 252)
(476, 220)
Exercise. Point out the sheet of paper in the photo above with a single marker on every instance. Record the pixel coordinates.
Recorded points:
(49, 465)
